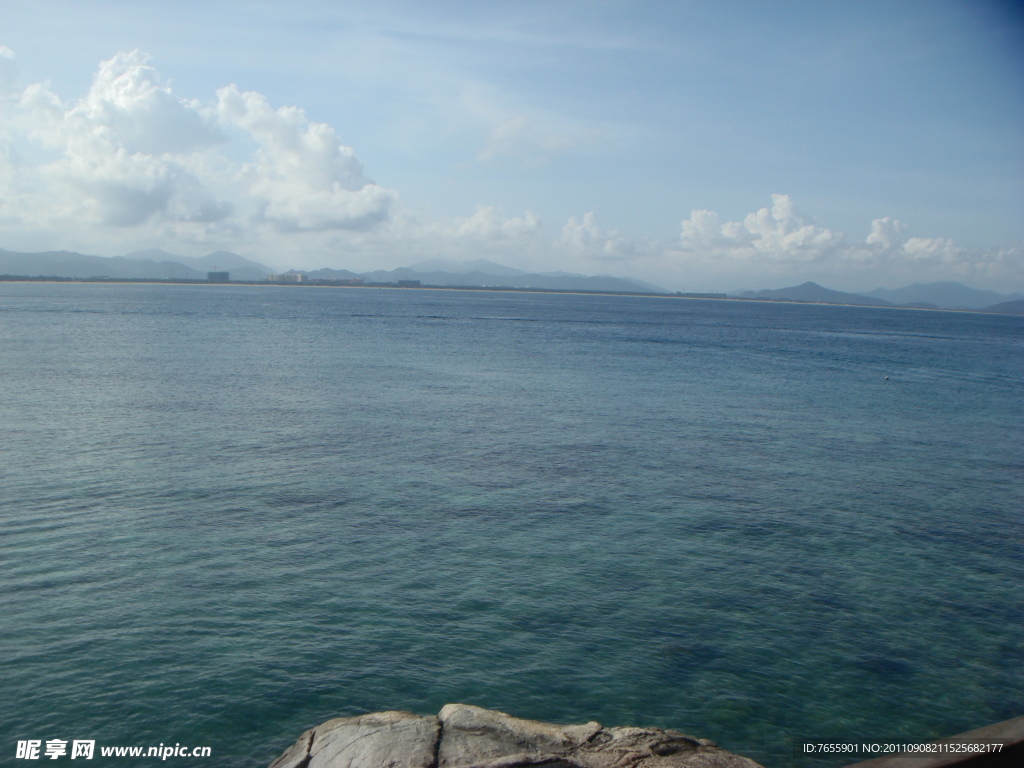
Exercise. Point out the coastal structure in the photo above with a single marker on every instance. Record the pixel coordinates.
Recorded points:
(287, 277)
(464, 736)
(218, 277)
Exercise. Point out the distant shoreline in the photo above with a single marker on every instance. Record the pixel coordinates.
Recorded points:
(490, 289)
(331, 284)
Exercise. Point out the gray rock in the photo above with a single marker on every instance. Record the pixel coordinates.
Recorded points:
(297, 755)
(473, 736)
(379, 740)
(464, 736)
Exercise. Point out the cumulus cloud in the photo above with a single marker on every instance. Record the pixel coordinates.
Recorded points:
(302, 175)
(584, 237)
(778, 233)
(781, 241)
(487, 224)
(120, 156)
(487, 232)
(131, 154)
(886, 233)
(130, 108)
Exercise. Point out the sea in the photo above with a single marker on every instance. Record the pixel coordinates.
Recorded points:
(230, 512)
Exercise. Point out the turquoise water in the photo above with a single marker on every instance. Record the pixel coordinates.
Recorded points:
(230, 513)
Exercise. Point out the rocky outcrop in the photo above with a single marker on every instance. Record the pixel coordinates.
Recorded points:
(463, 736)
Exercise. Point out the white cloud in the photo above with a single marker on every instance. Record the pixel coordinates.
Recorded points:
(584, 237)
(886, 233)
(486, 233)
(779, 243)
(779, 233)
(487, 224)
(131, 109)
(121, 156)
(132, 155)
(302, 176)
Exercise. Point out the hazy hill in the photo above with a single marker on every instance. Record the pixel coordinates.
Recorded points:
(152, 264)
(948, 295)
(481, 273)
(71, 264)
(1015, 307)
(812, 292)
(240, 267)
(158, 264)
(152, 254)
(474, 279)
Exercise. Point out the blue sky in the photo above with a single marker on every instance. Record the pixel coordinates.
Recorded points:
(697, 145)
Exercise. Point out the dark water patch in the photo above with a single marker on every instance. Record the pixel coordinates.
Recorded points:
(887, 667)
(543, 623)
(830, 601)
(684, 660)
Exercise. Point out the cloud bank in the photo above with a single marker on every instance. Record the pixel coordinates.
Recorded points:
(133, 154)
(780, 242)
(131, 165)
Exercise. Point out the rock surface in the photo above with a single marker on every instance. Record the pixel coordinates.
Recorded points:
(463, 736)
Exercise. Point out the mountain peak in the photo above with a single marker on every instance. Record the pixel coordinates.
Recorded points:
(814, 293)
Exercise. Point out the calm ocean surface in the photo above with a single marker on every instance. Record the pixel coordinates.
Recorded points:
(230, 513)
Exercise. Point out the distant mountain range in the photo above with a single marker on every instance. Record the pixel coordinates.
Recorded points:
(240, 267)
(140, 265)
(812, 292)
(947, 295)
(155, 264)
(553, 281)
(481, 273)
(918, 295)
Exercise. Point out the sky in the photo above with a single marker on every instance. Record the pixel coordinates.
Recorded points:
(699, 145)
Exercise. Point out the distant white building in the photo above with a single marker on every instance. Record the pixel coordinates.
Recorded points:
(287, 277)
